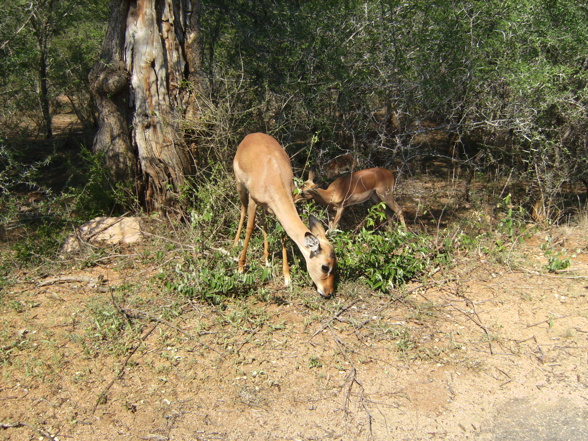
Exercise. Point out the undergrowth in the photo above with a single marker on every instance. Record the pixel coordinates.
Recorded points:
(192, 262)
(386, 260)
(37, 213)
(204, 264)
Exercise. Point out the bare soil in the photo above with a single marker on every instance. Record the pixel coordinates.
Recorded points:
(485, 351)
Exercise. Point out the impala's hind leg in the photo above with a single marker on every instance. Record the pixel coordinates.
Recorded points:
(391, 208)
(252, 206)
(244, 198)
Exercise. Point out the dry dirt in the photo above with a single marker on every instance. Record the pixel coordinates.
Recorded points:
(485, 351)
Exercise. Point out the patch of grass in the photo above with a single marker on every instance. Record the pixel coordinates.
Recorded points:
(245, 316)
(314, 362)
(107, 329)
(556, 260)
(211, 278)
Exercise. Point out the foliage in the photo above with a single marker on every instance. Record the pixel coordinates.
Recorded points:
(15, 173)
(206, 271)
(384, 80)
(512, 221)
(47, 44)
(16, 176)
(389, 81)
(211, 278)
(387, 260)
(99, 195)
(556, 261)
(36, 217)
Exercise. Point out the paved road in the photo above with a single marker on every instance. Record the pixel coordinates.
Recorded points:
(522, 420)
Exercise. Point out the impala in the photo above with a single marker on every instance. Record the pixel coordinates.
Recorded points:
(264, 177)
(373, 183)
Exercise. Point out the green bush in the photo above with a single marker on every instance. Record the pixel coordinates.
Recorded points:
(211, 277)
(387, 260)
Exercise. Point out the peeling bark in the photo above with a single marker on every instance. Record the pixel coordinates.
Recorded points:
(109, 87)
(140, 90)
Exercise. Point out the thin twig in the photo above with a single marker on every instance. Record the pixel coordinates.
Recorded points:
(43, 433)
(167, 239)
(558, 275)
(102, 394)
(429, 284)
(478, 322)
(547, 320)
(135, 313)
(10, 425)
(334, 317)
(103, 228)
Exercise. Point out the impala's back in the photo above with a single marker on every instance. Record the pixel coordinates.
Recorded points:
(263, 166)
(360, 185)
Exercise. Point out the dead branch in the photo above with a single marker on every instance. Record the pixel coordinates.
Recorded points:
(102, 395)
(106, 227)
(547, 320)
(350, 380)
(558, 275)
(428, 285)
(133, 313)
(182, 245)
(334, 317)
(477, 321)
(40, 431)
(93, 281)
(10, 425)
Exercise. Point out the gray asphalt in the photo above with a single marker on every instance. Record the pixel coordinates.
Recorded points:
(521, 420)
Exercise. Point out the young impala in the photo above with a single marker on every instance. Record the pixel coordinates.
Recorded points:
(355, 188)
(264, 177)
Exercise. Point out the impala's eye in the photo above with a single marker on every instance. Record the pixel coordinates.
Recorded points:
(325, 269)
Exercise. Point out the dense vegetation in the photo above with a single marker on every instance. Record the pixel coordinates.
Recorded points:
(498, 89)
(505, 82)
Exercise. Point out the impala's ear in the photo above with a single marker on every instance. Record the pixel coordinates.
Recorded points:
(309, 183)
(312, 243)
(316, 227)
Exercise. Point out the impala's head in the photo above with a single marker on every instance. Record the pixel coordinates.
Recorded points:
(320, 260)
(307, 187)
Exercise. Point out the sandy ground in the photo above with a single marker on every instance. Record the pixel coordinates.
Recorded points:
(484, 351)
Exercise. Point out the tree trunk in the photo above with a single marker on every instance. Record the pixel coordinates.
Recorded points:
(44, 92)
(42, 29)
(139, 86)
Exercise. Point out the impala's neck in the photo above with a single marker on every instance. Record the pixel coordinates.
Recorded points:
(287, 215)
(323, 197)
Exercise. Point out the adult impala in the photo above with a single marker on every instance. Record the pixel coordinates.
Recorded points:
(264, 177)
(373, 183)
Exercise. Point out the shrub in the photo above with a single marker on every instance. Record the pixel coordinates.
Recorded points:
(387, 260)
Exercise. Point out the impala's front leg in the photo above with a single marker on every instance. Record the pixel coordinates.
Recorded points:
(285, 266)
(392, 206)
(265, 242)
(338, 214)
